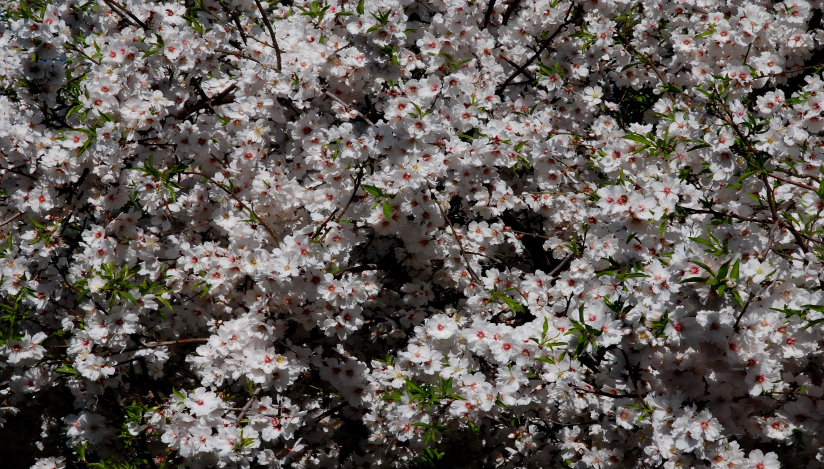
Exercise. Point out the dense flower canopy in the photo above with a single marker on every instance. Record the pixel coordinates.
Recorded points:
(394, 233)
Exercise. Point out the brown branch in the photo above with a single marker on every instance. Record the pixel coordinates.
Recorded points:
(241, 203)
(19, 173)
(724, 214)
(347, 107)
(789, 72)
(525, 233)
(455, 234)
(526, 73)
(234, 17)
(534, 247)
(781, 222)
(160, 344)
(799, 237)
(788, 181)
(488, 13)
(351, 199)
(241, 55)
(553, 133)
(544, 45)
(774, 210)
(794, 393)
(356, 269)
(770, 241)
(509, 11)
(484, 255)
(19, 214)
(189, 228)
(560, 266)
(271, 32)
(224, 97)
(606, 394)
(646, 59)
(245, 408)
(123, 12)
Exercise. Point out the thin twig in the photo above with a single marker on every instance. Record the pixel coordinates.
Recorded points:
(484, 255)
(271, 32)
(526, 73)
(606, 394)
(355, 111)
(544, 45)
(525, 233)
(356, 269)
(161, 344)
(752, 297)
(771, 240)
(788, 72)
(788, 181)
(234, 17)
(774, 210)
(455, 234)
(646, 59)
(247, 406)
(560, 266)
(189, 228)
(509, 11)
(19, 214)
(241, 203)
(125, 12)
(351, 199)
(488, 13)
(18, 172)
(224, 97)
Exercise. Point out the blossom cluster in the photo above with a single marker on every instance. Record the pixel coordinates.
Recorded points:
(394, 233)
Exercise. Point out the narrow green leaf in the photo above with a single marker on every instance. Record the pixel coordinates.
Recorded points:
(387, 210)
(694, 279)
(376, 191)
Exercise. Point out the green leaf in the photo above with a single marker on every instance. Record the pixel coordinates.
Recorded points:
(637, 138)
(387, 210)
(705, 267)
(359, 8)
(813, 323)
(81, 451)
(630, 66)
(412, 388)
(36, 224)
(25, 9)
(723, 270)
(376, 191)
(694, 279)
(513, 305)
(68, 370)
(738, 298)
(672, 88)
(705, 243)
(165, 302)
(128, 296)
